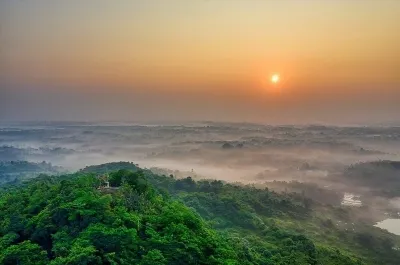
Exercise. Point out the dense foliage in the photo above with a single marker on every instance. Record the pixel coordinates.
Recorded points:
(70, 221)
(146, 218)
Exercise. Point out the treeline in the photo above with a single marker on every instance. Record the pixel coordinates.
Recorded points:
(381, 177)
(15, 171)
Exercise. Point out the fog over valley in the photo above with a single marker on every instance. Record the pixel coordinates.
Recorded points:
(343, 159)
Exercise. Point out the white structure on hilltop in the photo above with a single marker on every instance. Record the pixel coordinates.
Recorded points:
(104, 181)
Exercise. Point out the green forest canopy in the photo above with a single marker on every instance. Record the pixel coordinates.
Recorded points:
(146, 218)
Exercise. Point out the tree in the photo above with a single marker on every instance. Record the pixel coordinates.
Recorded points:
(153, 257)
(25, 253)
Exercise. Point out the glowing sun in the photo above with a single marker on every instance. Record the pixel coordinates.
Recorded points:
(275, 78)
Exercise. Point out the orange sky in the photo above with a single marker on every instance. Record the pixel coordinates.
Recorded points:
(233, 47)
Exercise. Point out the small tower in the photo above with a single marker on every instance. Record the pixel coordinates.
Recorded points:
(105, 183)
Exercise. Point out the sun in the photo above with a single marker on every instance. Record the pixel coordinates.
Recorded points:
(275, 78)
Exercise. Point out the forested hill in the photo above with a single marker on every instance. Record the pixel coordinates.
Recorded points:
(151, 219)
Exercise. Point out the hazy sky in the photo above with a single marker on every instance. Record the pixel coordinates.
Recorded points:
(338, 61)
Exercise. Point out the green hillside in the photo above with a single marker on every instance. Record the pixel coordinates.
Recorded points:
(144, 218)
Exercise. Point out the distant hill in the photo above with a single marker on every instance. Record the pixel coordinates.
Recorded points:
(370, 167)
(104, 168)
(12, 171)
(380, 176)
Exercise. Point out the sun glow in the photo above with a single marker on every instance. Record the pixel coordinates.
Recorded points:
(275, 78)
